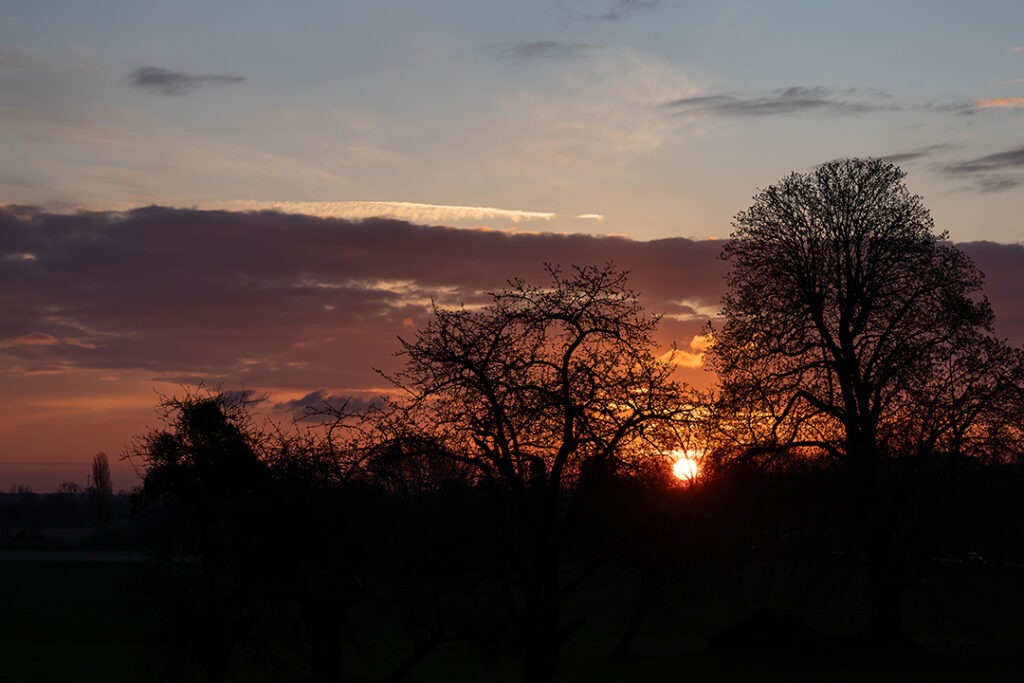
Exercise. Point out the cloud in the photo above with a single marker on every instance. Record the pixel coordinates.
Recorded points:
(278, 302)
(542, 49)
(1001, 264)
(408, 211)
(591, 217)
(320, 400)
(1000, 103)
(167, 82)
(613, 10)
(915, 155)
(30, 339)
(991, 173)
(822, 100)
(998, 183)
(686, 309)
(692, 358)
(304, 308)
(1001, 161)
(1017, 50)
(784, 101)
(969, 108)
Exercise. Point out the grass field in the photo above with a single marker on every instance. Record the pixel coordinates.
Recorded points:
(78, 621)
(69, 621)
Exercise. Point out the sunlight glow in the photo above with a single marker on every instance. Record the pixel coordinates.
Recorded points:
(686, 466)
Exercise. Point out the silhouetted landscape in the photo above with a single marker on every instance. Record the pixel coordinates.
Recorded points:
(508, 508)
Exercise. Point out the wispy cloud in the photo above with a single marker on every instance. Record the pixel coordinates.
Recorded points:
(992, 172)
(407, 211)
(591, 216)
(167, 82)
(1017, 50)
(1010, 159)
(914, 155)
(785, 101)
(320, 400)
(821, 100)
(971, 107)
(30, 339)
(613, 10)
(542, 50)
(999, 183)
(1000, 103)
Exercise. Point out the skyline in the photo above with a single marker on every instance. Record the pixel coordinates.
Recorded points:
(140, 137)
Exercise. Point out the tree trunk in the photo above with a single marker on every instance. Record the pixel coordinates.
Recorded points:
(884, 582)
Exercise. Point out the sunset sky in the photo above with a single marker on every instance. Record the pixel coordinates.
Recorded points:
(541, 130)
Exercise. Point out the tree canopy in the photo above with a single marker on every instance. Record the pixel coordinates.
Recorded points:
(842, 304)
(544, 380)
(854, 330)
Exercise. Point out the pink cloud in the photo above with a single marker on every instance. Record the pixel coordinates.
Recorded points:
(31, 339)
(1000, 103)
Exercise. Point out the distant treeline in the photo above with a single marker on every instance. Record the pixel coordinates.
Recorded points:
(27, 515)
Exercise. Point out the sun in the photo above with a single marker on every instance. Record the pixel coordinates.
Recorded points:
(685, 467)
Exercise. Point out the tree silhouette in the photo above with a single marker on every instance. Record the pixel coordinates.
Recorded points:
(101, 492)
(265, 513)
(845, 312)
(535, 391)
(205, 480)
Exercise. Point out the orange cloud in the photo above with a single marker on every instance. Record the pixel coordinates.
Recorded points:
(1000, 103)
(31, 339)
(693, 358)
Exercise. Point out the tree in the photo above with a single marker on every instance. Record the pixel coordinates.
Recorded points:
(844, 312)
(263, 510)
(536, 391)
(101, 492)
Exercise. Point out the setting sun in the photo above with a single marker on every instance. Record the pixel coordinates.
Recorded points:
(685, 466)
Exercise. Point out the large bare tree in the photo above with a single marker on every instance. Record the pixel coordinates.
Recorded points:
(535, 390)
(854, 330)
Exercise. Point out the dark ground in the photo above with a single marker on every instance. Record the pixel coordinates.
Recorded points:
(75, 617)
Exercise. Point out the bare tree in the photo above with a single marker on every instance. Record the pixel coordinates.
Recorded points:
(845, 312)
(534, 391)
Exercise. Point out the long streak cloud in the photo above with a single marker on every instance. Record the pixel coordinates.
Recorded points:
(406, 211)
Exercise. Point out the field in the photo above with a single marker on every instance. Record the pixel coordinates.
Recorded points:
(77, 619)
(69, 620)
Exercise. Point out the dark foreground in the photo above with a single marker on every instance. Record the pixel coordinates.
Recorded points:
(79, 618)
